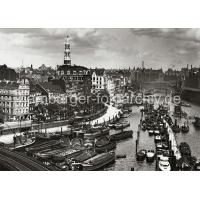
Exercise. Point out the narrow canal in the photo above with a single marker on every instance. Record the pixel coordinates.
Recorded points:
(128, 147)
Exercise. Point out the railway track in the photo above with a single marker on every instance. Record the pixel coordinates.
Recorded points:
(21, 162)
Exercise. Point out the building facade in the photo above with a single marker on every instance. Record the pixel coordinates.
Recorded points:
(14, 98)
(99, 80)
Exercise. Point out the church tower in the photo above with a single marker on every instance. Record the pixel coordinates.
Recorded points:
(67, 58)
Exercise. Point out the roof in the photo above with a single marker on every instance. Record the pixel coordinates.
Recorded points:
(9, 85)
(98, 71)
(74, 67)
(50, 87)
(7, 73)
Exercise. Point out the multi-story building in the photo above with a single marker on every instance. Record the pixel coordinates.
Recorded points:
(37, 96)
(39, 75)
(99, 80)
(147, 75)
(54, 93)
(76, 77)
(14, 98)
(7, 73)
(111, 87)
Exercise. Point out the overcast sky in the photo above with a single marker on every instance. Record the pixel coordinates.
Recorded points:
(108, 48)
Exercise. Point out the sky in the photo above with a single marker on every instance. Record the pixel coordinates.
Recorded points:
(104, 48)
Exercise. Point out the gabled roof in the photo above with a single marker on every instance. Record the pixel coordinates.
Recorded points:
(50, 87)
(98, 71)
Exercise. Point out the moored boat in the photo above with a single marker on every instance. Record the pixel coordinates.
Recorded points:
(185, 128)
(111, 125)
(185, 149)
(197, 122)
(105, 148)
(76, 143)
(140, 156)
(20, 142)
(126, 115)
(122, 135)
(95, 163)
(102, 141)
(163, 164)
(175, 127)
(87, 154)
(157, 138)
(47, 136)
(45, 145)
(151, 132)
(150, 155)
(94, 133)
(47, 154)
(66, 154)
(122, 125)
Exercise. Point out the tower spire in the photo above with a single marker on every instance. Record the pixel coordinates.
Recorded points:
(67, 57)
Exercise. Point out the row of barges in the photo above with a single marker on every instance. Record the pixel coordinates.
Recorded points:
(83, 147)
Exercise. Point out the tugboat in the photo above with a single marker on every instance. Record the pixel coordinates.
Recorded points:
(140, 156)
(185, 128)
(150, 155)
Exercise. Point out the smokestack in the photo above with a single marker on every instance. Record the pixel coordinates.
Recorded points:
(143, 64)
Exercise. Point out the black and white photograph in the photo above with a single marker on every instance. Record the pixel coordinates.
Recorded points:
(108, 99)
(99, 99)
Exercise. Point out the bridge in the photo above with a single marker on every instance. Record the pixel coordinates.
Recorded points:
(14, 161)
